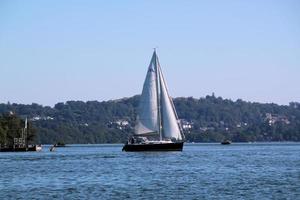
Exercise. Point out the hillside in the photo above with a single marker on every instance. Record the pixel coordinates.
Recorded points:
(209, 119)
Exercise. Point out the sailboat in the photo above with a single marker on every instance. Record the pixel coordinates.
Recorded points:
(157, 125)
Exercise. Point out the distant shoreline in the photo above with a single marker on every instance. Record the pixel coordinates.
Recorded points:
(205, 120)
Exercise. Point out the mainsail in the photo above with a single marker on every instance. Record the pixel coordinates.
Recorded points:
(156, 114)
(147, 117)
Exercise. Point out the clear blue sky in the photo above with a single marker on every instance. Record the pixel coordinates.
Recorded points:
(54, 51)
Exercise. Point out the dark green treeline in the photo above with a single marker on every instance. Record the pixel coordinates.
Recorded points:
(209, 119)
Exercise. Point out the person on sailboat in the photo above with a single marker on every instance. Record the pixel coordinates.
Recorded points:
(132, 140)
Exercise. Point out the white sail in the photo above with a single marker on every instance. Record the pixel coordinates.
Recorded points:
(170, 126)
(147, 118)
(25, 123)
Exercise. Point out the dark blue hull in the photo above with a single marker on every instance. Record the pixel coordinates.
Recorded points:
(154, 147)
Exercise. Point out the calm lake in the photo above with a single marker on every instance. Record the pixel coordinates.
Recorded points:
(201, 171)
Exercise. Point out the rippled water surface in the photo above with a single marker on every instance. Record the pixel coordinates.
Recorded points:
(201, 171)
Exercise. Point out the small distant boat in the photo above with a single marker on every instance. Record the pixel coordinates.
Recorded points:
(34, 148)
(224, 142)
(60, 144)
(157, 125)
(52, 148)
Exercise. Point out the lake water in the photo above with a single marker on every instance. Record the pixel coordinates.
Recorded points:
(201, 171)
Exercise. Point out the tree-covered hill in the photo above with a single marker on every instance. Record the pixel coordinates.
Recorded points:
(209, 119)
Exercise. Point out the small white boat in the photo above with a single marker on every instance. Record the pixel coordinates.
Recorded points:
(52, 148)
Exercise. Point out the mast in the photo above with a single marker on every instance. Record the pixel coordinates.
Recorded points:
(158, 97)
(25, 133)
